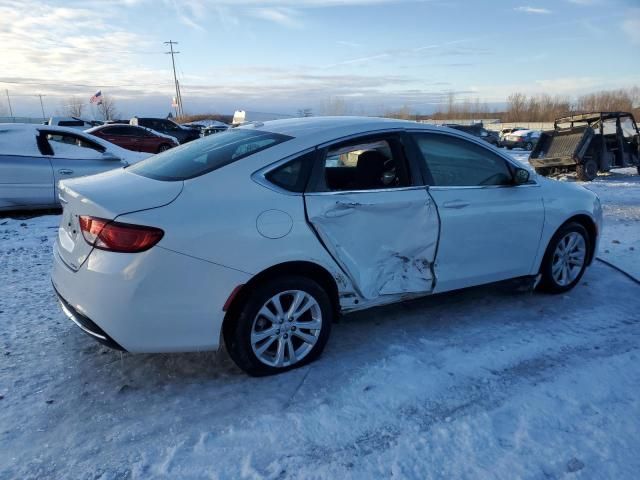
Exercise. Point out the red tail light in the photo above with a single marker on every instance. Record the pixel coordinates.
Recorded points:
(118, 237)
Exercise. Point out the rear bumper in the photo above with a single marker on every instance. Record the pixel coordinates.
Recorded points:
(86, 325)
(512, 144)
(154, 301)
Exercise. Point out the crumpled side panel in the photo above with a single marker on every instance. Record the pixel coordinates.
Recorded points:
(385, 241)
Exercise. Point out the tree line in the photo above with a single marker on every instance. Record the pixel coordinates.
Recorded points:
(521, 107)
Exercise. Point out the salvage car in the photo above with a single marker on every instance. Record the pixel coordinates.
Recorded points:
(167, 127)
(525, 139)
(259, 237)
(33, 158)
(478, 130)
(505, 131)
(588, 143)
(131, 137)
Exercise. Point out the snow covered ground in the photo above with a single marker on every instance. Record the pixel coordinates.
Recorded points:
(485, 383)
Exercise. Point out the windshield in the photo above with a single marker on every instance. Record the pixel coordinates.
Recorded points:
(203, 156)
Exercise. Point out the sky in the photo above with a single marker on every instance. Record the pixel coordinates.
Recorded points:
(279, 56)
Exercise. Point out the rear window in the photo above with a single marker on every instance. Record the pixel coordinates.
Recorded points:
(203, 156)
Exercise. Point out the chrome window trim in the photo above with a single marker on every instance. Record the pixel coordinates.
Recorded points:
(476, 187)
(375, 190)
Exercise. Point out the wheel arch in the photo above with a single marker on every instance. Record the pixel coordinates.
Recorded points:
(590, 226)
(300, 268)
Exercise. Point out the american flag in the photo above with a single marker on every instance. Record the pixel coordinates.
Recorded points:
(97, 98)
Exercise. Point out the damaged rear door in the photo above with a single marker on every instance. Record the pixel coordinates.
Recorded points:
(374, 215)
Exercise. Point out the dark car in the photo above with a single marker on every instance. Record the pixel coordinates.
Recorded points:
(168, 127)
(588, 143)
(479, 131)
(134, 138)
(526, 139)
(214, 129)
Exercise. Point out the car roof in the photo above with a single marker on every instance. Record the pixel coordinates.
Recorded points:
(330, 128)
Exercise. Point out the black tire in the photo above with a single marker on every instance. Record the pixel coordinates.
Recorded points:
(528, 146)
(509, 148)
(548, 283)
(543, 171)
(237, 335)
(638, 169)
(588, 170)
(164, 147)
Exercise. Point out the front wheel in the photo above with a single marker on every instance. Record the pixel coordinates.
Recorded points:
(283, 324)
(543, 171)
(588, 170)
(565, 260)
(528, 147)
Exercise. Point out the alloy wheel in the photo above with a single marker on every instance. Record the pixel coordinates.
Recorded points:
(568, 258)
(286, 328)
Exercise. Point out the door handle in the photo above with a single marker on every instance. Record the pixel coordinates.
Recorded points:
(455, 204)
(65, 171)
(342, 204)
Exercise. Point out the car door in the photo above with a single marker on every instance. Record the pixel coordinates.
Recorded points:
(373, 214)
(490, 227)
(25, 182)
(114, 135)
(144, 140)
(74, 155)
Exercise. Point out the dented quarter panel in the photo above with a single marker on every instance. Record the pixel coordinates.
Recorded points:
(385, 241)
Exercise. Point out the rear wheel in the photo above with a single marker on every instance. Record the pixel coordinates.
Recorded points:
(588, 170)
(283, 324)
(528, 146)
(543, 171)
(565, 260)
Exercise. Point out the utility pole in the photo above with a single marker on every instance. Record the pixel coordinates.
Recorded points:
(9, 102)
(42, 106)
(171, 43)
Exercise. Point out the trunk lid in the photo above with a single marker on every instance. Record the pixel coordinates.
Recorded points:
(107, 196)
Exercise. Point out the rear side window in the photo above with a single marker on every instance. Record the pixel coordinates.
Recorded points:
(71, 123)
(293, 175)
(203, 156)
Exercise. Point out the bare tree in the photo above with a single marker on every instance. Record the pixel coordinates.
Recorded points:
(335, 106)
(73, 106)
(516, 106)
(107, 108)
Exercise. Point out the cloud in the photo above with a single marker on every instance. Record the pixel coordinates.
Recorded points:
(534, 10)
(631, 26)
(286, 17)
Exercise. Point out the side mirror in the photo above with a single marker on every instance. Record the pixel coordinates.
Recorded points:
(110, 157)
(521, 176)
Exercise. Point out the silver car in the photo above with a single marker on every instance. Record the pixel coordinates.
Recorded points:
(33, 158)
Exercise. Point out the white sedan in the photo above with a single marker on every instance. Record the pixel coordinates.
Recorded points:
(33, 158)
(259, 237)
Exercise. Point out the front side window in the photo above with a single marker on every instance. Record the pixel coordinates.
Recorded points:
(366, 164)
(455, 162)
(210, 153)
